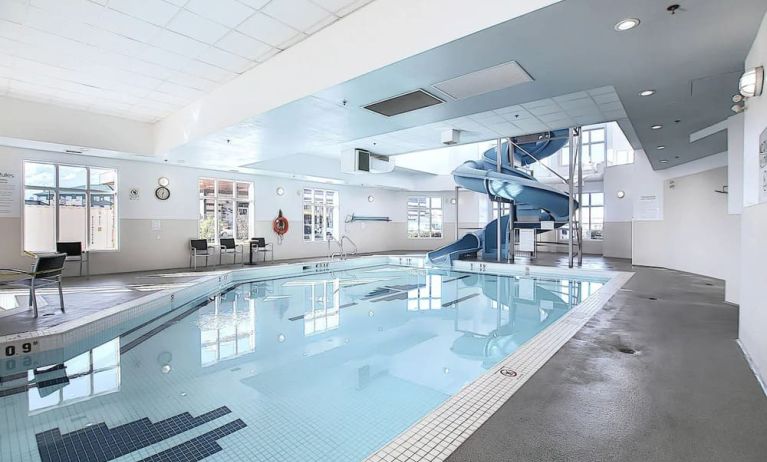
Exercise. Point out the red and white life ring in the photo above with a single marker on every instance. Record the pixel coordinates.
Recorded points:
(280, 225)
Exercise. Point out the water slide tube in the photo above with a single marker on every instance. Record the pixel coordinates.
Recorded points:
(533, 199)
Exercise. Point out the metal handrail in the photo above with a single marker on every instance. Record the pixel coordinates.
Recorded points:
(345, 237)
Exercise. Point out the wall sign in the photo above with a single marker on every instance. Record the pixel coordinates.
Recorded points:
(10, 179)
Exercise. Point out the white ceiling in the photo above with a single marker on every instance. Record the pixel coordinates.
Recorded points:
(144, 59)
(572, 110)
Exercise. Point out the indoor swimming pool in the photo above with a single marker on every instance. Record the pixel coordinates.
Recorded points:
(326, 366)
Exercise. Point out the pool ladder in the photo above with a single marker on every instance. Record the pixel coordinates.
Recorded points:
(341, 252)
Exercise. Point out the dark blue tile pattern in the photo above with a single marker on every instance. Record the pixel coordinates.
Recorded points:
(197, 448)
(99, 443)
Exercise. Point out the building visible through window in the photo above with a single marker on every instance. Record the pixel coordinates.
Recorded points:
(593, 143)
(321, 210)
(226, 209)
(424, 217)
(66, 203)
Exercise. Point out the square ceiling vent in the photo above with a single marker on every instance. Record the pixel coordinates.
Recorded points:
(401, 104)
(484, 81)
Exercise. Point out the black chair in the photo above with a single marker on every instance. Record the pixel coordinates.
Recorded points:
(198, 248)
(46, 271)
(260, 245)
(228, 245)
(75, 252)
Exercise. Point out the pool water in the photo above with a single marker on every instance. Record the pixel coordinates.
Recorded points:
(322, 367)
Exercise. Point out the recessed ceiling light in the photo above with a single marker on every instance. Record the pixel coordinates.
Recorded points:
(626, 24)
(661, 147)
(646, 92)
(663, 161)
(656, 127)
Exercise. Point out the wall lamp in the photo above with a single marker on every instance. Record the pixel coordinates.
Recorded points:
(752, 82)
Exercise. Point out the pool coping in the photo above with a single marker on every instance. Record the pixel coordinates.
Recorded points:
(435, 436)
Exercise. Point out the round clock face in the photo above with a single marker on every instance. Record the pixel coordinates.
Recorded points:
(162, 193)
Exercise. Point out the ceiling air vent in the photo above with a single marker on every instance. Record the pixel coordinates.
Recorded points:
(401, 104)
(484, 81)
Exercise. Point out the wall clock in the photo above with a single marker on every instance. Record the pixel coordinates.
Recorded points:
(162, 192)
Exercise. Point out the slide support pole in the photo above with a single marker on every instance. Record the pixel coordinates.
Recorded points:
(456, 212)
(571, 205)
(498, 160)
(580, 196)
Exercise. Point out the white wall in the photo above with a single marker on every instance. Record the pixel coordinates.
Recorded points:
(143, 248)
(753, 251)
(697, 234)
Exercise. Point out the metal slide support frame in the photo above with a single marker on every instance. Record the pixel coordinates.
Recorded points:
(512, 214)
(498, 160)
(580, 197)
(570, 204)
(456, 213)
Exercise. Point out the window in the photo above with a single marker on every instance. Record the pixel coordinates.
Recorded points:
(592, 216)
(593, 145)
(320, 215)
(424, 217)
(226, 209)
(69, 203)
(620, 157)
(505, 208)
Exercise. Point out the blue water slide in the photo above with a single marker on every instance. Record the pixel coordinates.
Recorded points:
(534, 201)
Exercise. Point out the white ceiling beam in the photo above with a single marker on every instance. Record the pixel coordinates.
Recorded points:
(382, 33)
(48, 123)
(708, 131)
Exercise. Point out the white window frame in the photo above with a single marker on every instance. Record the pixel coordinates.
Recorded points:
(586, 217)
(234, 199)
(430, 214)
(564, 160)
(310, 237)
(56, 193)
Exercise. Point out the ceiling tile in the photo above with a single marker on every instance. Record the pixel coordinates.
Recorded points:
(177, 43)
(255, 4)
(207, 71)
(164, 58)
(179, 90)
(299, 14)
(109, 41)
(242, 45)
(227, 12)
(353, 6)
(128, 26)
(157, 12)
(197, 27)
(79, 10)
(14, 11)
(223, 59)
(267, 29)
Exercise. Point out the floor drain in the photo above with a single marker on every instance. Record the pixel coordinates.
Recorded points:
(508, 372)
(652, 298)
(709, 284)
(628, 351)
(48, 314)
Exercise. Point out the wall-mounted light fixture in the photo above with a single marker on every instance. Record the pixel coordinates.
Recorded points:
(280, 191)
(371, 198)
(621, 194)
(752, 82)
(452, 200)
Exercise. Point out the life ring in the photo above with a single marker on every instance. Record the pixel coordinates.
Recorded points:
(280, 225)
